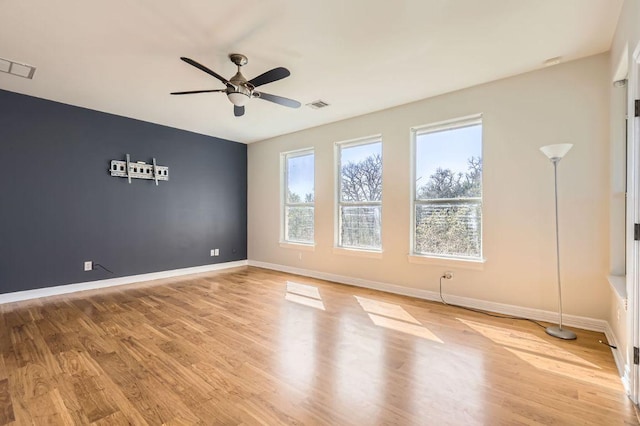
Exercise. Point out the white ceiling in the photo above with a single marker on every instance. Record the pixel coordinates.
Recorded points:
(122, 56)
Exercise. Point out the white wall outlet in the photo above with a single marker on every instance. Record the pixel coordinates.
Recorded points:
(88, 265)
(217, 252)
(448, 275)
(213, 252)
(299, 256)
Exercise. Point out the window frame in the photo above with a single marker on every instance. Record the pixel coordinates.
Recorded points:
(284, 203)
(472, 262)
(372, 252)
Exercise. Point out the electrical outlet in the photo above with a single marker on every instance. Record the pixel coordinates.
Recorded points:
(88, 265)
(217, 252)
(299, 256)
(448, 275)
(213, 252)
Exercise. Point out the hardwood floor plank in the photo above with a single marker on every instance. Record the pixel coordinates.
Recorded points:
(3, 368)
(113, 419)
(6, 406)
(219, 411)
(46, 409)
(253, 346)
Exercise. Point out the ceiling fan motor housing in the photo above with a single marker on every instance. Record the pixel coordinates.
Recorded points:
(239, 91)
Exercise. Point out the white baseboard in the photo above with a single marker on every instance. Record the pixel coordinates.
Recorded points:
(618, 356)
(112, 282)
(584, 323)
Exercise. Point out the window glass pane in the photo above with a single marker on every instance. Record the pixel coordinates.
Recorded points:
(449, 163)
(299, 222)
(300, 175)
(448, 191)
(361, 172)
(451, 229)
(360, 226)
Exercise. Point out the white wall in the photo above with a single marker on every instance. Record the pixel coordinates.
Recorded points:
(565, 103)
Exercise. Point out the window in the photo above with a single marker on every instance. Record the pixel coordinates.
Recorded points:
(298, 196)
(447, 193)
(359, 193)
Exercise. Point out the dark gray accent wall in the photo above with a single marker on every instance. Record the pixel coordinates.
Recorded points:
(59, 206)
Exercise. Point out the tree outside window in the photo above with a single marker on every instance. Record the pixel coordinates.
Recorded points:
(448, 190)
(360, 194)
(298, 197)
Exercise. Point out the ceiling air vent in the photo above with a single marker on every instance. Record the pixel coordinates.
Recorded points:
(317, 104)
(16, 68)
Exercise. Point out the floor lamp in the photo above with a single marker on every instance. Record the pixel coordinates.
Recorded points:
(555, 154)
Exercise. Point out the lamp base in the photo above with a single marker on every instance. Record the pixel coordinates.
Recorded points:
(561, 333)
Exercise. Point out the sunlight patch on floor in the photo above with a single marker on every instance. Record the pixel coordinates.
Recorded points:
(546, 356)
(404, 327)
(572, 371)
(395, 317)
(386, 309)
(303, 290)
(526, 341)
(304, 294)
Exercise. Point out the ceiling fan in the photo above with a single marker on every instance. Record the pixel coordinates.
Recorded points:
(239, 90)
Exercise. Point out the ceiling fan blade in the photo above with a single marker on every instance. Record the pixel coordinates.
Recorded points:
(198, 91)
(278, 99)
(270, 76)
(238, 111)
(205, 69)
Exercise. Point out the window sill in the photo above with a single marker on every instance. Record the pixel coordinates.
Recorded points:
(371, 254)
(298, 246)
(619, 285)
(476, 265)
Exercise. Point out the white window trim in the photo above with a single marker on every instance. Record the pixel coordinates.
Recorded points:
(298, 246)
(337, 248)
(434, 259)
(449, 262)
(283, 198)
(358, 252)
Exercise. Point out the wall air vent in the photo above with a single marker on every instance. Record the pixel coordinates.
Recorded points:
(317, 104)
(17, 69)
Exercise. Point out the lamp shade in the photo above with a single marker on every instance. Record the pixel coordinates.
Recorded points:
(238, 99)
(556, 151)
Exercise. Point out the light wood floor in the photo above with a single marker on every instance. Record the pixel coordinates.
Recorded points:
(252, 346)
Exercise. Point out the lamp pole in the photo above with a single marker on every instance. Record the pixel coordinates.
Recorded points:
(555, 154)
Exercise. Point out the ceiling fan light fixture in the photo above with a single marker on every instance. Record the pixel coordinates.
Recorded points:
(238, 99)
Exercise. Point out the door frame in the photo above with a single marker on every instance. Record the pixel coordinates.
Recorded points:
(633, 217)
